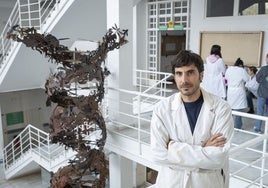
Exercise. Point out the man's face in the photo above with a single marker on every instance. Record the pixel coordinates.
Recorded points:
(188, 80)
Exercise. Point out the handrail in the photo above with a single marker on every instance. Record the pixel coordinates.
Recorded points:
(32, 139)
(6, 44)
(136, 127)
(263, 138)
(120, 121)
(162, 82)
(158, 88)
(26, 14)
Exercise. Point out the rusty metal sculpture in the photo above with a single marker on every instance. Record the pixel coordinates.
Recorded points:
(76, 121)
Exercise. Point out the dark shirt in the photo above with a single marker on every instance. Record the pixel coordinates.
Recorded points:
(262, 79)
(193, 110)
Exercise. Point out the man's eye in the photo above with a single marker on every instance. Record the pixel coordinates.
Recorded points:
(191, 72)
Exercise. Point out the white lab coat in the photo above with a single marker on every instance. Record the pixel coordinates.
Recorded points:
(236, 93)
(252, 85)
(213, 81)
(184, 162)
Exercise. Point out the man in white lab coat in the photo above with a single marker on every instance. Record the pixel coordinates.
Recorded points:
(191, 131)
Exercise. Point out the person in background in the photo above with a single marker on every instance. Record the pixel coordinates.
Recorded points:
(191, 131)
(251, 88)
(236, 77)
(262, 99)
(214, 81)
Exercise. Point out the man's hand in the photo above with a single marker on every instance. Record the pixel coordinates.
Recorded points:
(216, 140)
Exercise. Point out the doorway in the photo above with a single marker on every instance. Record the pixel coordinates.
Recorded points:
(172, 42)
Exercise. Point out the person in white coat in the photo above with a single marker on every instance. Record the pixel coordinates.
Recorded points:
(236, 77)
(191, 131)
(251, 88)
(214, 81)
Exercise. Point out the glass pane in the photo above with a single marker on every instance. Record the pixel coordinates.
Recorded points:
(249, 7)
(216, 8)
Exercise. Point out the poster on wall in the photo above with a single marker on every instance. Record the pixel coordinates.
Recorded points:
(14, 118)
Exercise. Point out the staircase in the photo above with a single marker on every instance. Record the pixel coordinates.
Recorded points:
(31, 149)
(41, 14)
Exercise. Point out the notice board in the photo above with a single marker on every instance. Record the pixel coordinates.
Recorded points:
(14, 118)
(246, 45)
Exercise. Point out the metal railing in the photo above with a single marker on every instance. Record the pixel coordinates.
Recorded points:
(154, 83)
(31, 139)
(122, 121)
(26, 13)
(125, 118)
(256, 147)
(153, 86)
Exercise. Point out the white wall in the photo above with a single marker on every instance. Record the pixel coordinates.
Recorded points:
(141, 35)
(199, 23)
(33, 105)
(84, 20)
(232, 23)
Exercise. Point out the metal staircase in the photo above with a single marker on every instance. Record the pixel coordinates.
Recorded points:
(41, 14)
(32, 148)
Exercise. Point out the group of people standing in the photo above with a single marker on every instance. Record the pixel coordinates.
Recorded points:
(237, 84)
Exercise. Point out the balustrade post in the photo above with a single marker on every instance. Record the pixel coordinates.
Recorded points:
(29, 14)
(139, 123)
(264, 150)
(40, 16)
(20, 23)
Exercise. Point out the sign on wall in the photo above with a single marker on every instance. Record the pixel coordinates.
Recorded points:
(14, 118)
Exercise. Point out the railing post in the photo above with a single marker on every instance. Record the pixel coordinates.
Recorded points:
(40, 19)
(48, 149)
(139, 123)
(20, 23)
(20, 142)
(13, 152)
(39, 146)
(263, 153)
(3, 49)
(30, 138)
(5, 158)
(29, 14)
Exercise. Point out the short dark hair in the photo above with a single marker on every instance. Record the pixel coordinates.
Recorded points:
(186, 58)
(239, 62)
(253, 69)
(216, 50)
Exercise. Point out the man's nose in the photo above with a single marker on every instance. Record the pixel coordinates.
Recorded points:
(184, 78)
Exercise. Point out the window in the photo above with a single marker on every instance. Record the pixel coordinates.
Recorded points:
(216, 8)
(253, 7)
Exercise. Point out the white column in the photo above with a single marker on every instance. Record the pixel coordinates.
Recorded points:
(120, 12)
(120, 171)
(119, 62)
